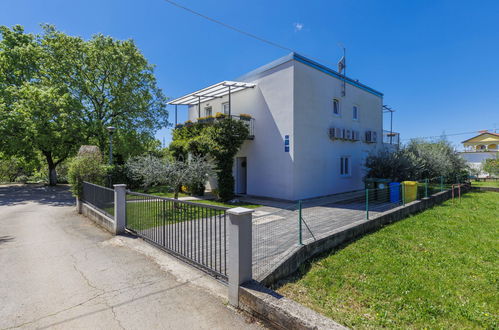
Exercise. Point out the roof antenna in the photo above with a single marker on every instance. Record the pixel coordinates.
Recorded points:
(342, 68)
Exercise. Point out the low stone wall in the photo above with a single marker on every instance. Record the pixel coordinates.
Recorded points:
(330, 240)
(279, 311)
(97, 216)
(495, 189)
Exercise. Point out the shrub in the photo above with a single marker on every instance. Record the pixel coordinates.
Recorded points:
(418, 160)
(224, 139)
(86, 167)
(220, 140)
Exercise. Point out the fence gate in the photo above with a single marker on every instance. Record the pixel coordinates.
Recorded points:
(192, 231)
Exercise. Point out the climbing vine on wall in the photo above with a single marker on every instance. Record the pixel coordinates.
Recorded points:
(220, 140)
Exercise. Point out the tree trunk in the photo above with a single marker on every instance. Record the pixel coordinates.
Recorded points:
(52, 170)
(52, 176)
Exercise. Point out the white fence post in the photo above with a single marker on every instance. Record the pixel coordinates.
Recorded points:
(119, 208)
(239, 251)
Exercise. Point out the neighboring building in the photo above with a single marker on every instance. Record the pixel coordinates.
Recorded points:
(479, 148)
(311, 128)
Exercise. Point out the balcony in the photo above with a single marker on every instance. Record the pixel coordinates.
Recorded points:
(391, 138)
(250, 122)
(481, 148)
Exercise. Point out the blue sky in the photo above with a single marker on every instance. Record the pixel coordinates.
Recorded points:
(435, 61)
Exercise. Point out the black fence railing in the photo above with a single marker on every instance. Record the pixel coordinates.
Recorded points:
(99, 197)
(193, 231)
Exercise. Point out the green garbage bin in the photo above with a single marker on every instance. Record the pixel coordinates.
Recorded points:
(381, 191)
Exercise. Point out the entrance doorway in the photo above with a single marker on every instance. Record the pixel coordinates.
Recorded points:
(241, 175)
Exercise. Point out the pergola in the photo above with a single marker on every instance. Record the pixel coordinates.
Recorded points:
(218, 90)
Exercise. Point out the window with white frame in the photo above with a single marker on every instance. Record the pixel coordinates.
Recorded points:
(336, 107)
(225, 108)
(207, 111)
(345, 166)
(355, 112)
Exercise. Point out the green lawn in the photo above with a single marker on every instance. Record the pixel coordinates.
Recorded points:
(485, 184)
(438, 269)
(142, 215)
(158, 191)
(147, 214)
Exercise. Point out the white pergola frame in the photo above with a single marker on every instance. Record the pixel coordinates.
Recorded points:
(218, 90)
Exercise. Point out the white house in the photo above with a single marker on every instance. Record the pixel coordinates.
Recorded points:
(311, 127)
(480, 148)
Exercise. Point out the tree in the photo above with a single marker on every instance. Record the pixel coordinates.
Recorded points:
(85, 167)
(170, 173)
(491, 166)
(58, 92)
(419, 160)
(46, 121)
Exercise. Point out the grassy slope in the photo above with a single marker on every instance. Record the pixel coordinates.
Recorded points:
(437, 269)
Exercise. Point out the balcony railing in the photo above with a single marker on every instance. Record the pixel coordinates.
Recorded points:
(250, 123)
(391, 137)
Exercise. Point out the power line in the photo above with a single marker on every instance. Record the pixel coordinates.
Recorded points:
(248, 34)
(438, 136)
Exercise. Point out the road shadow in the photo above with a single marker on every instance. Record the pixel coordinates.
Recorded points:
(37, 193)
(5, 239)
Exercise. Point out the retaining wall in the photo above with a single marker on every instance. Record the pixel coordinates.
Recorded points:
(97, 216)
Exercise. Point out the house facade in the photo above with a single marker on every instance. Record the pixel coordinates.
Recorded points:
(311, 128)
(479, 148)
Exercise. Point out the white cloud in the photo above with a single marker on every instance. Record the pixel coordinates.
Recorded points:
(298, 26)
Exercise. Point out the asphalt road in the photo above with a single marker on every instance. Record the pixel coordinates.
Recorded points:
(58, 270)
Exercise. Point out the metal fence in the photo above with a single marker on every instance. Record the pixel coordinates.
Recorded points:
(193, 231)
(279, 230)
(99, 197)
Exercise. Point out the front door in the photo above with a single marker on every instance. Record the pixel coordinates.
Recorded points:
(241, 175)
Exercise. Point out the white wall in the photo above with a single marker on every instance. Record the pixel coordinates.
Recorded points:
(317, 158)
(476, 159)
(270, 103)
(296, 100)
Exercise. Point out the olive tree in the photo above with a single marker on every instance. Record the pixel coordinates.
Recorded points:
(172, 174)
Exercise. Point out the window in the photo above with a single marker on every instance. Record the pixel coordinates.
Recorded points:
(336, 107)
(225, 108)
(207, 111)
(345, 166)
(355, 113)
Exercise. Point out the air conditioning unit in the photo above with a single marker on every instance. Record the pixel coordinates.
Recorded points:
(355, 135)
(338, 133)
(334, 133)
(371, 137)
(343, 133)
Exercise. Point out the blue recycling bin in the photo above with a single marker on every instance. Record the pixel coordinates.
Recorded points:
(395, 192)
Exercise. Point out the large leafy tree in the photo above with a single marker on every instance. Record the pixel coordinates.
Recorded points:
(58, 92)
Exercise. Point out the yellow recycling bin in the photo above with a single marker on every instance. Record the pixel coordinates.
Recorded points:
(410, 191)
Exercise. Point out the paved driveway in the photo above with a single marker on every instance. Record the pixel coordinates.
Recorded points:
(58, 270)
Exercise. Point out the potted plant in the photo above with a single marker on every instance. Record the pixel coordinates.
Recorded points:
(245, 116)
(188, 123)
(209, 119)
(220, 115)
